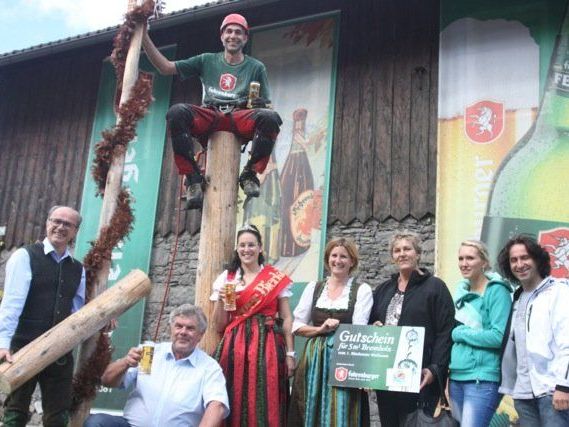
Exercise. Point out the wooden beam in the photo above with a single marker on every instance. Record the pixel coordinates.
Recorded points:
(217, 234)
(63, 337)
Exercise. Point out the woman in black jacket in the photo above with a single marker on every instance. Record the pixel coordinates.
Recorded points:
(414, 297)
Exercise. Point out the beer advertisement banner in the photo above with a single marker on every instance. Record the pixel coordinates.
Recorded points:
(503, 127)
(503, 132)
(379, 358)
(300, 57)
(141, 176)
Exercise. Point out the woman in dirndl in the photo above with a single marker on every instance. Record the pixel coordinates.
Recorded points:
(323, 306)
(256, 351)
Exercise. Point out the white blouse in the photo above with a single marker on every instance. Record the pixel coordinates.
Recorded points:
(222, 279)
(362, 307)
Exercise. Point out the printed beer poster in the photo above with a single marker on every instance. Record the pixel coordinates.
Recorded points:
(379, 358)
(502, 132)
(501, 144)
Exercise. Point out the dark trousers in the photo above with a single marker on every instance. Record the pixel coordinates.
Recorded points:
(260, 125)
(539, 412)
(394, 406)
(55, 386)
(105, 420)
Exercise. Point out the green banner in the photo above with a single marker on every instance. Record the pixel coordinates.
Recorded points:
(141, 176)
(379, 358)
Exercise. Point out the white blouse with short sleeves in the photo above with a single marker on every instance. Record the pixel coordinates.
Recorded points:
(362, 307)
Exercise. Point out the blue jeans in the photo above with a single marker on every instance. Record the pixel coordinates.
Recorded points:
(539, 412)
(105, 420)
(473, 403)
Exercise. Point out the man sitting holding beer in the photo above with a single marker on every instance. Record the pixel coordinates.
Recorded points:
(235, 99)
(178, 385)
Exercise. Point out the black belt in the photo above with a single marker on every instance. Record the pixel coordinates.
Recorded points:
(224, 108)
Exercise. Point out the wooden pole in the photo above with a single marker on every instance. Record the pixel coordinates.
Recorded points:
(115, 174)
(63, 337)
(112, 190)
(217, 232)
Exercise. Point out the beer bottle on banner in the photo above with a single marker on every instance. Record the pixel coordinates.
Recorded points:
(297, 185)
(265, 211)
(530, 191)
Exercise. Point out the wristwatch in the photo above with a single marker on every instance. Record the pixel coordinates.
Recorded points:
(291, 354)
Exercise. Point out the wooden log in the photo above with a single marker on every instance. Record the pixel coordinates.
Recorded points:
(64, 336)
(217, 233)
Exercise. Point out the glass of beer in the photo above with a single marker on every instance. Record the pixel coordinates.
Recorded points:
(145, 365)
(254, 91)
(230, 297)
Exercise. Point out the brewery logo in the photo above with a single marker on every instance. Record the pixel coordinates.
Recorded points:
(341, 374)
(556, 242)
(227, 82)
(484, 121)
(305, 215)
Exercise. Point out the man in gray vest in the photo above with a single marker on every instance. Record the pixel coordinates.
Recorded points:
(44, 285)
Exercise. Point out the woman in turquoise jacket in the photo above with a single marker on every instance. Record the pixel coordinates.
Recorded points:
(482, 302)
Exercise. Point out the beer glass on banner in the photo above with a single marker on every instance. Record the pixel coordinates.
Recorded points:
(483, 111)
(530, 191)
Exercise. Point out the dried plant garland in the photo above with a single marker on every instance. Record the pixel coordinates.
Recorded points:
(131, 111)
(114, 143)
(86, 381)
(110, 235)
(117, 138)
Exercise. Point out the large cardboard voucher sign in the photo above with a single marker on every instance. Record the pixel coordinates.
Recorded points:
(380, 358)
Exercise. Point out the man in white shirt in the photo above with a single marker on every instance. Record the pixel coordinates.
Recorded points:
(186, 387)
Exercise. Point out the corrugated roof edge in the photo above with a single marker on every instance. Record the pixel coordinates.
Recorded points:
(106, 34)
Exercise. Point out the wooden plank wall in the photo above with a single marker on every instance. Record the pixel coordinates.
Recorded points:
(384, 153)
(46, 113)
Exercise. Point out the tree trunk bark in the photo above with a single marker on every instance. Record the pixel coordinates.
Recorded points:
(217, 234)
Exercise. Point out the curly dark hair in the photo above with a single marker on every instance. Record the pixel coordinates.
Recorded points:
(535, 251)
(235, 263)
